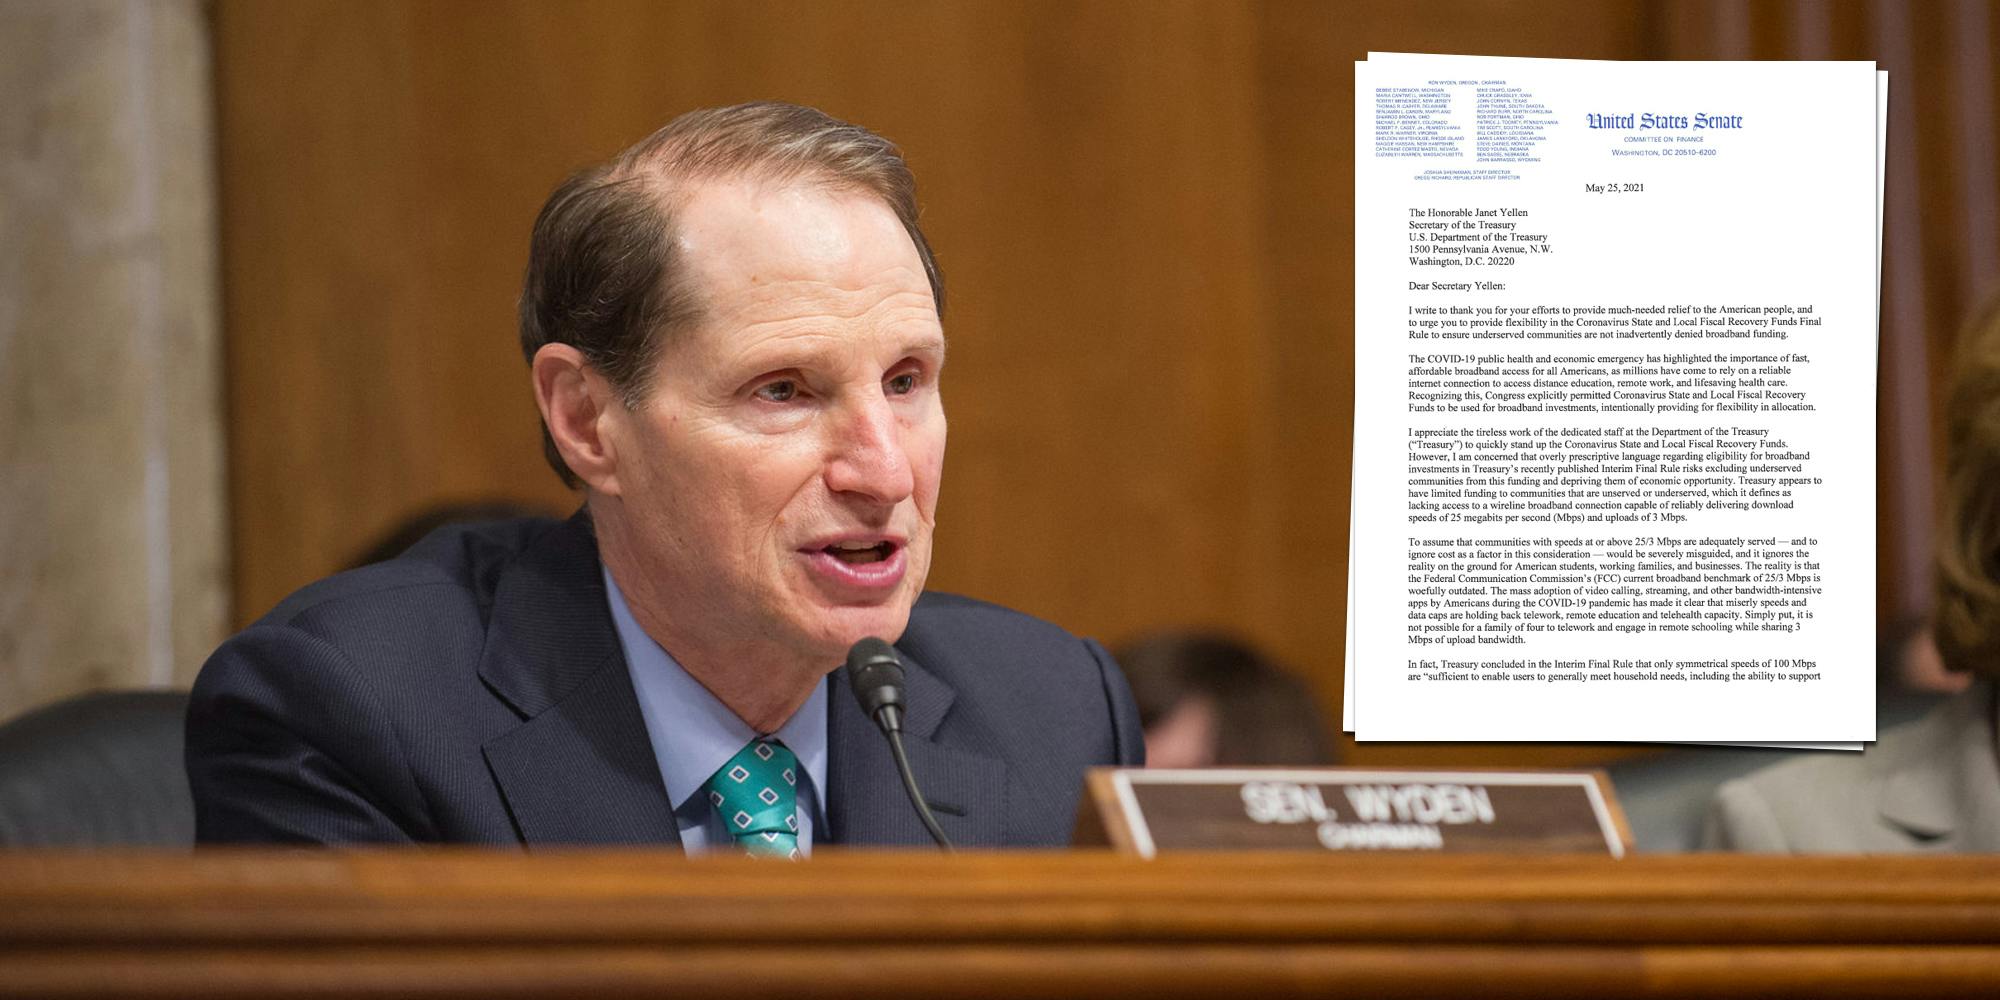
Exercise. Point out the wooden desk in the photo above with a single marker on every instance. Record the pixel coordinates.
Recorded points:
(470, 923)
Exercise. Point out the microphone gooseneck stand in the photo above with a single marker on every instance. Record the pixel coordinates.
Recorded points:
(876, 675)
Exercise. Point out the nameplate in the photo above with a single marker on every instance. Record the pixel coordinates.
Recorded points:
(1144, 812)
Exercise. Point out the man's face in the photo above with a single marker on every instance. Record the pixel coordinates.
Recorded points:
(779, 483)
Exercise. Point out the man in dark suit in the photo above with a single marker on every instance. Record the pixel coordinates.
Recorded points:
(734, 339)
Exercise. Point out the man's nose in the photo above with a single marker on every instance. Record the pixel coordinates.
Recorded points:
(867, 454)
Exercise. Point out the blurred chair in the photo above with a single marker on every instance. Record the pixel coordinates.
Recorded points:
(97, 770)
(411, 530)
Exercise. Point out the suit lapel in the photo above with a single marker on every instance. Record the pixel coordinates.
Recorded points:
(580, 767)
(866, 803)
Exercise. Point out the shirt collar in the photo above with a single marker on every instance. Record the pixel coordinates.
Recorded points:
(694, 733)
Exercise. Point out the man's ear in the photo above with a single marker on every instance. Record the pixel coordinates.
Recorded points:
(577, 405)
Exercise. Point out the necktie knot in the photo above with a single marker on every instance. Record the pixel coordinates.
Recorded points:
(756, 794)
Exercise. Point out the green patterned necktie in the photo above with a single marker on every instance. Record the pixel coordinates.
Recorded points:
(756, 794)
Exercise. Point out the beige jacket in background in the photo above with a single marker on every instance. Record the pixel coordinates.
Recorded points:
(1931, 786)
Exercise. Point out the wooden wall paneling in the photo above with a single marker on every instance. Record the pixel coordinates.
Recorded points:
(1978, 44)
(1108, 338)
(1306, 81)
(1909, 442)
(1934, 205)
(370, 372)
(1943, 193)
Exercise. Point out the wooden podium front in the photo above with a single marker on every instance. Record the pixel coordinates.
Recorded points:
(1074, 924)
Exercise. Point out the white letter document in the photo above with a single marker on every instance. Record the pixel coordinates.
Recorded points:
(1615, 345)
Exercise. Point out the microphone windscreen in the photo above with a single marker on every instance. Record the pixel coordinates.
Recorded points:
(875, 674)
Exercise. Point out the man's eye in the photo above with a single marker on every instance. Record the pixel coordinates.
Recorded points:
(904, 384)
(780, 391)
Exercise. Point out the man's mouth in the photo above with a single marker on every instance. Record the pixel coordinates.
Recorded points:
(855, 553)
(870, 566)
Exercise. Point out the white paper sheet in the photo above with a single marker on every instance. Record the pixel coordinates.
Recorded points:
(1499, 64)
(1762, 214)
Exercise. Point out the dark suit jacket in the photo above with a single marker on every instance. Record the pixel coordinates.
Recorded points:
(474, 691)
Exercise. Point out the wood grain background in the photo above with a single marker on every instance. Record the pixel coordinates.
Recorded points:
(1143, 209)
(1047, 924)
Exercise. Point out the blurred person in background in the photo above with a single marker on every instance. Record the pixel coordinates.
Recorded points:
(1932, 785)
(1208, 700)
(1907, 663)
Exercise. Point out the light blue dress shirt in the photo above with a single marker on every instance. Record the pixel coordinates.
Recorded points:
(694, 734)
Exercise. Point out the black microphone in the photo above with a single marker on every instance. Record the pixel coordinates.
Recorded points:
(876, 676)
